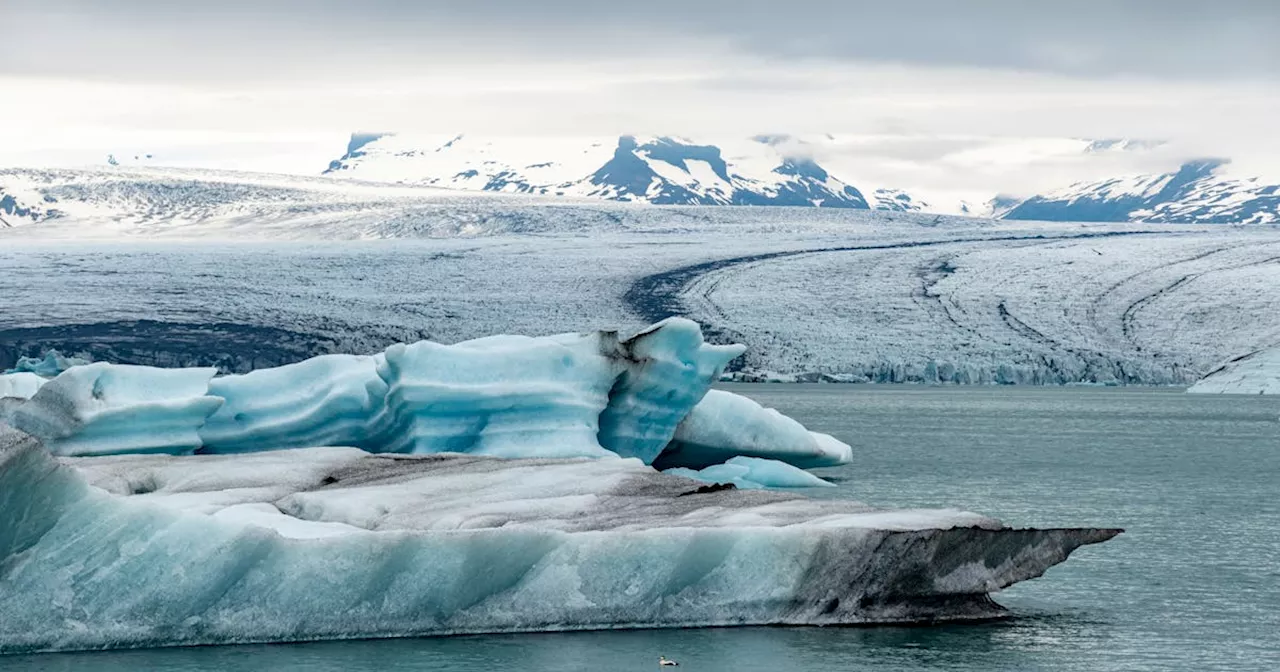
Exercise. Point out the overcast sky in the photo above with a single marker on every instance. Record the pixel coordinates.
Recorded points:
(281, 77)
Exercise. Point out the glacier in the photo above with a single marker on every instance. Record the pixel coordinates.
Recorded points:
(959, 302)
(1255, 373)
(144, 550)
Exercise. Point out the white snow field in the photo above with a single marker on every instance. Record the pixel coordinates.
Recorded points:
(241, 272)
(1255, 373)
(332, 543)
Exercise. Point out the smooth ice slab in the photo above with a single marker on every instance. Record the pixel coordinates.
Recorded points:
(1256, 373)
(152, 550)
(753, 472)
(724, 425)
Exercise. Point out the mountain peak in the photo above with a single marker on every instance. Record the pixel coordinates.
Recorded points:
(663, 170)
(1195, 192)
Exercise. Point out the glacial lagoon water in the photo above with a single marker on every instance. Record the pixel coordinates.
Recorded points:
(1194, 584)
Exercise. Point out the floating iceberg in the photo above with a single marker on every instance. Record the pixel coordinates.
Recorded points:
(724, 425)
(570, 395)
(20, 385)
(330, 543)
(753, 472)
(1255, 373)
(48, 366)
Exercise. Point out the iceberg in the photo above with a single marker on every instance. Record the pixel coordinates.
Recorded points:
(724, 425)
(753, 472)
(118, 551)
(104, 408)
(511, 396)
(568, 395)
(1255, 373)
(668, 370)
(48, 366)
(20, 385)
(330, 400)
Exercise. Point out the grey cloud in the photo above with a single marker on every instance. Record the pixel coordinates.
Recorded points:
(154, 39)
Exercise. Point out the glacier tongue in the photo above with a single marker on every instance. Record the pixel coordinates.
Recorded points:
(1255, 373)
(152, 550)
(570, 395)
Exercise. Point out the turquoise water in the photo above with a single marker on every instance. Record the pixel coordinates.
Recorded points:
(1193, 585)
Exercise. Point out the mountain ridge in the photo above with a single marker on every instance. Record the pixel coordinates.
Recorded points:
(771, 170)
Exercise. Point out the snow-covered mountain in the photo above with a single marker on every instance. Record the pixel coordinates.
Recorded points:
(1193, 193)
(824, 171)
(659, 170)
(23, 206)
(381, 172)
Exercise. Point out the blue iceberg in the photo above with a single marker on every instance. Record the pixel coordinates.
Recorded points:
(505, 484)
(752, 473)
(331, 543)
(48, 366)
(724, 425)
(569, 395)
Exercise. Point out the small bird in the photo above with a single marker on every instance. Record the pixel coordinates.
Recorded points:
(663, 662)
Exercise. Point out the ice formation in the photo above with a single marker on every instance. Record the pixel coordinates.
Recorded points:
(330, 543)
(324, 401)
(1255, 373)
(753, 472)
(20, 385)
(724, 425)
(569, 395)
(48, 366)
(104, 408)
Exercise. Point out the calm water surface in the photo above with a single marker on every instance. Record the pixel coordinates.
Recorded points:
(1193, 585)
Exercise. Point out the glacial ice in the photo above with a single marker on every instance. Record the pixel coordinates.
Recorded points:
(752, 473)
(48, 366)
(104, 408)
(329, 543)
(511, 396)
(569, 395)
(323, 401)
(20, 385)
(669, 370)
(1255, 373)
(724, 425)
